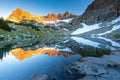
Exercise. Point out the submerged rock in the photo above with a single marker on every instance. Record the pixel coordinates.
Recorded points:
(41, 77)
(88, 78)
(93, 68)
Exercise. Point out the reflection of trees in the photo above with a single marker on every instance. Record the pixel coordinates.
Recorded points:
(4, 50)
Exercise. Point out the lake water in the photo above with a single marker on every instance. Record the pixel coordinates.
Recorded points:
(23, 58)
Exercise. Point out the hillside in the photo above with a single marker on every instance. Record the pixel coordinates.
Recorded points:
(101, 18)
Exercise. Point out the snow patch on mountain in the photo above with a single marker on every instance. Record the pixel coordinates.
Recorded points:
(49, 22)
(65, 20)
(116, 20)
(65, 29)
(88, 28)
(58, 21)
(85, 28)
(115, 27)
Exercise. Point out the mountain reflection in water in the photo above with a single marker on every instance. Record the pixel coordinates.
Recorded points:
(33, 56)
(22, 54)
(77, 45)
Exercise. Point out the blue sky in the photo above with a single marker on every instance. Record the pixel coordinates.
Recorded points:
(43, 7)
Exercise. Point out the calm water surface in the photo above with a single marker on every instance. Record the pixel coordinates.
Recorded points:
(50, 62)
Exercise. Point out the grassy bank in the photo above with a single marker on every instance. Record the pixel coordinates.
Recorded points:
(21, 31)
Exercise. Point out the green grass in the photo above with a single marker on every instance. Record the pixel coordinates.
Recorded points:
(4, 33)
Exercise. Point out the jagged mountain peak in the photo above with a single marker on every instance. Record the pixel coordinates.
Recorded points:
(18, 9)
(66, 12)
(19, 15)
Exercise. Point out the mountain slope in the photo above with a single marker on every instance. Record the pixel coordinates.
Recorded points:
(98, 29)
(100, 11)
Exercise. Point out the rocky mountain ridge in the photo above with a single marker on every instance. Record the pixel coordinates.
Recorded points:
(19, 15)
(99, 11)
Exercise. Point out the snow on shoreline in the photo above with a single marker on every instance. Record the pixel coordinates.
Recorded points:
(115, 27)
(57, 21)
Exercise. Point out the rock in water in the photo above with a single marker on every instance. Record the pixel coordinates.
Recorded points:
(41, 77)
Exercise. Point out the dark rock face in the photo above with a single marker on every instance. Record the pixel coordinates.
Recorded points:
(60, 16)
(100, 11)
(67, 14)
(51, 17)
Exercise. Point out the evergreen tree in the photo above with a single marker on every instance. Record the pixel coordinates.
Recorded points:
(4, 25)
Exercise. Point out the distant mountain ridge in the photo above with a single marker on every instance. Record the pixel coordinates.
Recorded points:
(19, 15)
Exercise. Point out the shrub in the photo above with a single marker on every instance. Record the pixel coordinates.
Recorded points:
(116, 36)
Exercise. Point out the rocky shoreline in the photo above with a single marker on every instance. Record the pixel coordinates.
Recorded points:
(93, 68)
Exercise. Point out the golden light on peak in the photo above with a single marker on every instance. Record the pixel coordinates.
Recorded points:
(22, 54)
